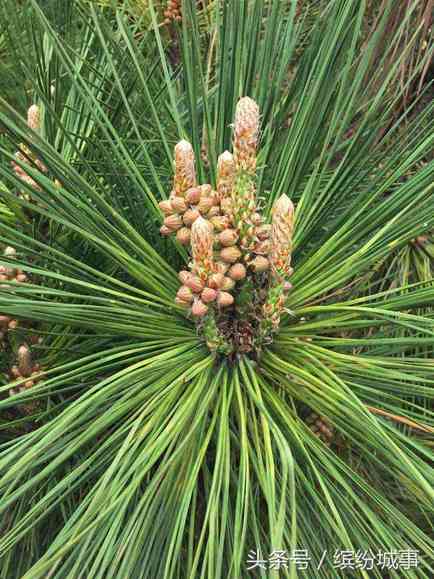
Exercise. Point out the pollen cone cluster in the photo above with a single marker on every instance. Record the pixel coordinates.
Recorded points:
(173, 13)
(24, 371)
(25, 156)
(25, 368)
(233, 252)
(321, 427)
(10, 275)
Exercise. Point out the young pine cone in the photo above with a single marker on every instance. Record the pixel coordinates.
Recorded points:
(281, 237)
(246, 132)
(185, 172)
(321, 427)
(225, 175)
(25, 363)
(34, 118)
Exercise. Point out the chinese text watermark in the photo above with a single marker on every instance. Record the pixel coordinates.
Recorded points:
(344, 560)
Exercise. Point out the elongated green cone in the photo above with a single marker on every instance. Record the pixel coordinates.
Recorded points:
(246, 131)
(225, 175)
(245, 141)
(281, 237)
(185, 172)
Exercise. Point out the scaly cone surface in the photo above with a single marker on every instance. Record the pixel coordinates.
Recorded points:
(245, 142)
(25, 156)
(280, 260)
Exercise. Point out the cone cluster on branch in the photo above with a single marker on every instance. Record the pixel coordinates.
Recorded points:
(25, 156)
(25, 368)
(233, 251)
(10, 275)
(321, 427)
(173, 13)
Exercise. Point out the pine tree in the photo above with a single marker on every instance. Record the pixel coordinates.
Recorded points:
(154, 420)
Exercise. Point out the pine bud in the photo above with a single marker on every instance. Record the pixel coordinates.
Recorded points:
(216, 280)
(222, 267)
(29, 384)
(204, 205)
(179, 204)
(185, 294)
(185, 173)
(165, 231)
(195, 283)
(33, 117)
(193, 195)
(173, 222)
(215, 210)
(281, 236)
(228, 284)
(184, 275)
(10, 252)
(220, 222)
(228, 237)
(225, 175)
(24, 360)
(230, 254)
(237, 272)
(260, 264)
(190, 216)
(246, 131)
(199, 309)
(206, 190)
(183, 235)
(225, 299)
(181, 303)
(208, 295)
(15, 372)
